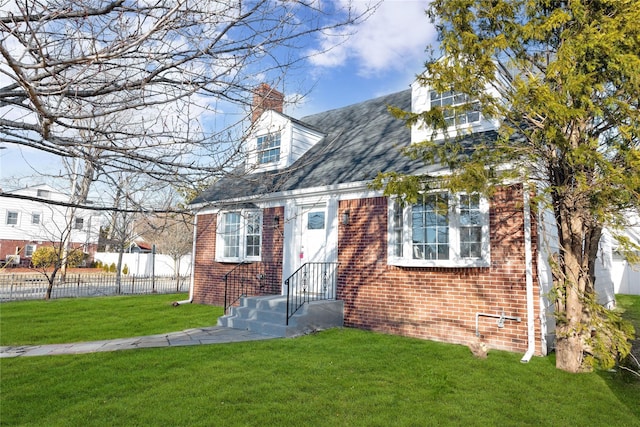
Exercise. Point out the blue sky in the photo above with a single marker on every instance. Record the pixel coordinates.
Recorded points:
(382, 57)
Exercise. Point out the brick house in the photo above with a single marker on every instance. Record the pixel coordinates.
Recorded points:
(456, 268)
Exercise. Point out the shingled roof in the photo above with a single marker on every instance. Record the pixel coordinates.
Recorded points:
(360, 141)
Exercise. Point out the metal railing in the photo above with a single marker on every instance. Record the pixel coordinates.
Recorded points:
(17, 287)
(313, 281)
(251, 279)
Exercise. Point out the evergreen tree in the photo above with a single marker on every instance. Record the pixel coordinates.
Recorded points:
(563, 78)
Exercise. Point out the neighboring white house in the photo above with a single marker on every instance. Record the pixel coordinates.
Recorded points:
(613, 271)
(26, 224)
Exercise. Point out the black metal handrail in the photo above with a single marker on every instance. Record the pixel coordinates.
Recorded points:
(313, 281)
(251, 279)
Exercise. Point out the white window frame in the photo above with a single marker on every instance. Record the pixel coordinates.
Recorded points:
(243, 233)
(29, 250)
(17, 217)
(406, 258)
(35, 215)
(262, 150)
(454, 99)
(78, 223)
(44, 194)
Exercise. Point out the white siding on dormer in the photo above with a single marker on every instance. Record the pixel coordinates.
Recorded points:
(295, 141)
(269, 122)
(302, 140)
(420, 102)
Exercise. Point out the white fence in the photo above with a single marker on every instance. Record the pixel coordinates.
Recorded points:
(141, 264)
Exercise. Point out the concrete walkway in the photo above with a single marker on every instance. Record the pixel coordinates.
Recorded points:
(197, 336)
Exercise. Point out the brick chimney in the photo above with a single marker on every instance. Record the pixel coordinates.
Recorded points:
(266, 98)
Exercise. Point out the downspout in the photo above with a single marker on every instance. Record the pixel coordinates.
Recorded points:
(528, 260)
(193, 266)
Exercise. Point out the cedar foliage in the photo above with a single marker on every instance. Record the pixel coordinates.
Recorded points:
(563, 80)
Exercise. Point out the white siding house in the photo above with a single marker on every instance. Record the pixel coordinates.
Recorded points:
(26, 224)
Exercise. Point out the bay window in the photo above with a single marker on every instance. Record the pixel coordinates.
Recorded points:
(440, 230)
(239, 236)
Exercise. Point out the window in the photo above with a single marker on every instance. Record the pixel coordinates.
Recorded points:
(452, 99)
(430, 227)
(78, 224)
(441, 230)
(315, 221)
(43, 194)
(29, 250)
(35, 218)
(239, 236)
(12, 218)
(268, 148)
(470, 226)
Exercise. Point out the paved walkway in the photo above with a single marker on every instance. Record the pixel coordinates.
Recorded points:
(197, 336)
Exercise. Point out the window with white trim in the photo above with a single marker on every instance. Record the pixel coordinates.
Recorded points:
(268, 148)
(35, 218)
(453, 99)
(78, 224)
(239, 236)
(12, 218)
(29, 250)
(45, 194)
(440, 230)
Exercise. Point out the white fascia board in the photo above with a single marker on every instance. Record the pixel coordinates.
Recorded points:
(353, 190)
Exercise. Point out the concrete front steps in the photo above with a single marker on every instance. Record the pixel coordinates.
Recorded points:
(267, 315)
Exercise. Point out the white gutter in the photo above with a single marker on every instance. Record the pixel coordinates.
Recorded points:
(193, 266)
(528, 260)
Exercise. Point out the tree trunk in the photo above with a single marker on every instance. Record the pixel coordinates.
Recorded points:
(51, 280)
(571, 282)
(47, 295)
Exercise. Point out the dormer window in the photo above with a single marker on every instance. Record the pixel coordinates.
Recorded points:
(268, 148)
(44, 194)
(453, 99)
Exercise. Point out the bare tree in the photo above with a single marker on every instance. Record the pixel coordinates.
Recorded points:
(172, 234)
(160, 86)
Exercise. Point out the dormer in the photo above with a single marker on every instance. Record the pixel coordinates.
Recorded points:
(424, 98)
(276, 140)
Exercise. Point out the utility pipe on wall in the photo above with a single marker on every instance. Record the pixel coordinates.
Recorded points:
(193, 266)
(528, 260)
(501, 318)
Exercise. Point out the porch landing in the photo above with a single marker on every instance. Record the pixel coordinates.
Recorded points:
(268, 315)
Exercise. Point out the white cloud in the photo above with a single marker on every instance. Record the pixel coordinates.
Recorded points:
(398, 32)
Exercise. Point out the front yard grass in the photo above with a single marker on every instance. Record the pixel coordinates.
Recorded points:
(337, 377)
(90, 319)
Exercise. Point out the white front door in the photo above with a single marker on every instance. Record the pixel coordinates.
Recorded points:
(312, 234)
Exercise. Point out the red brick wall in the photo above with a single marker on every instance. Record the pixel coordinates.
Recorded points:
(436, 303)
(209, 274)
(433, 303)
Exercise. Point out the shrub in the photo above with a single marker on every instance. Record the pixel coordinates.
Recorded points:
(49, 256)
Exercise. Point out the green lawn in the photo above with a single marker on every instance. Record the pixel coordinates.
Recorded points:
(89, 319)
(630, 304)
(337, 377)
